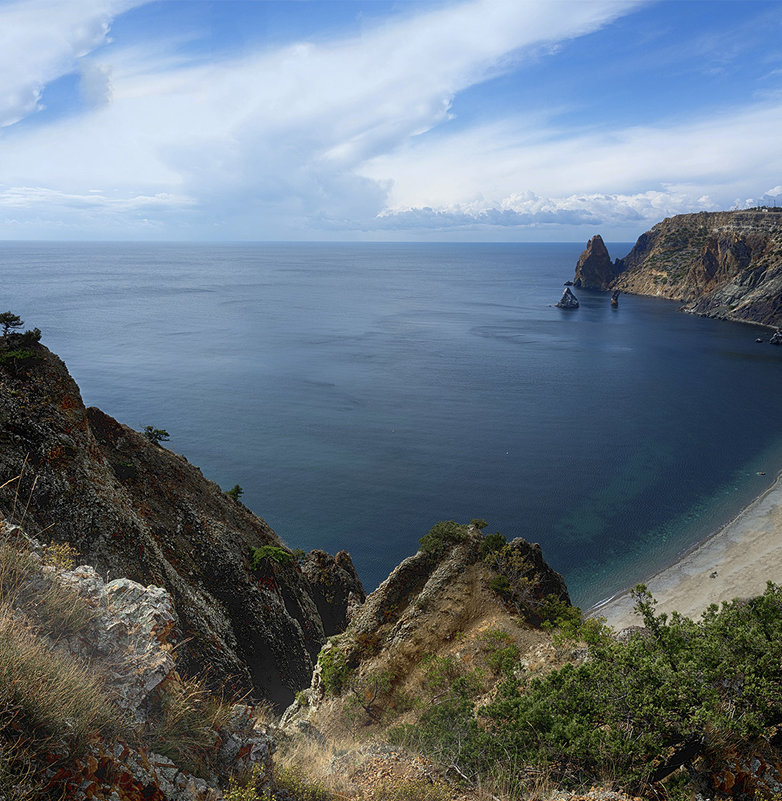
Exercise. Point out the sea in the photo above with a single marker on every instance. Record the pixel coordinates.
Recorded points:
(359, 393)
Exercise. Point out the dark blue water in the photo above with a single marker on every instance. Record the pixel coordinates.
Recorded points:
(359, 393)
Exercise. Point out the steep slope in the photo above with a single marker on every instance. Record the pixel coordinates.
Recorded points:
(246, 610)
(720, 264)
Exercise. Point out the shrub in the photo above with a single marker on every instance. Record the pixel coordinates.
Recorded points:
(442, 536)
(334, 671)
(500, 651)
(492, 543)
(273, 552)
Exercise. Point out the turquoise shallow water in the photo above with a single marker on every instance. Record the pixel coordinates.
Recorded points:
(359, 393)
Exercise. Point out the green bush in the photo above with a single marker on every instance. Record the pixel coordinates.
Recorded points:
(714, 684)
(442, 536)
(335, 671)
(279, 555)
(492, 543)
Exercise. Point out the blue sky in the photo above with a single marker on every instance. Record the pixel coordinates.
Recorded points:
(478, 120)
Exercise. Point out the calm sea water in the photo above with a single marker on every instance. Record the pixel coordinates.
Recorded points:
(360, 393)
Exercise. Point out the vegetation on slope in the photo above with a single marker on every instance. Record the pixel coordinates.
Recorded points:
(705, 696)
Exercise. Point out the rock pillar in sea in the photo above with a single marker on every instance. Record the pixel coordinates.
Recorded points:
(594, 269)
(615, 298)
(568, 300)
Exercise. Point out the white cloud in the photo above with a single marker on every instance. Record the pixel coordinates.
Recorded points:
(641, 172)
(274, 135)
(41, 40)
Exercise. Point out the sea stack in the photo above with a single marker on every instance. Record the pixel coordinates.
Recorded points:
(594, 269)
(568, 300)
(615, 298)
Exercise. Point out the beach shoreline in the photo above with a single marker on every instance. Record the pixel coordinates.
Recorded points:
(736, 561)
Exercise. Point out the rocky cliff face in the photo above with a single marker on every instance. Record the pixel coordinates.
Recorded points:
(594, 269)
(720, 264)
(247, 612)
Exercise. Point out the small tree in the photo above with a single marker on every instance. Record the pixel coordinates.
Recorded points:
(235, 492)
(10, 320)
(156, 435)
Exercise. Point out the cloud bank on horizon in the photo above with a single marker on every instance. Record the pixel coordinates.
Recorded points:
(513, 120)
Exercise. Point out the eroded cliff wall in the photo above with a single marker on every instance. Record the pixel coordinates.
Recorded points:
(719, 264)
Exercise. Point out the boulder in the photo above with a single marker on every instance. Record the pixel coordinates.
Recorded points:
(568, 300)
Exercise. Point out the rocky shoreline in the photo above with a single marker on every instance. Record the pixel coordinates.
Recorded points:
(726, 265)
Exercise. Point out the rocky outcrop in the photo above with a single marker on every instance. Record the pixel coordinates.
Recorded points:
(568, 300)
(335, 588)
(427, 600)
(594, 269)
(131, 508)
(719, 264)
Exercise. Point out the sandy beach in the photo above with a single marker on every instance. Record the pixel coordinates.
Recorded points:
(735, 562)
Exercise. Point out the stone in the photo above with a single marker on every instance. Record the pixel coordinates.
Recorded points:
(568, 300)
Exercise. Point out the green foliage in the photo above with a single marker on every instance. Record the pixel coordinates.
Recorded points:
(294, 780)
(335, 671)
(478, 523)
(30, 338)
(10, 320)
(499, 584)
(156, 435)
(247, 789)
(259, 555)
(442, 536)
(500, 651)
(492, 543)
(422, 789)
(617, 716)
(235, 492)
(17, 355)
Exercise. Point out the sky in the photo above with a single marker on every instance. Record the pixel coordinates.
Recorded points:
(411, 120)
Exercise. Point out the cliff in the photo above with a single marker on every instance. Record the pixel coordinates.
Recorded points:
(719, 264)
(248, 614)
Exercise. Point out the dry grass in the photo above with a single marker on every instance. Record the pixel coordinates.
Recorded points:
(56, 697)
(184, 722)
(318, 759)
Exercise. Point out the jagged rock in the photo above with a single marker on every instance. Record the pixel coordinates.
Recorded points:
(776, 338)
(132, 631)
(594, 269)
(568, 300)
(426, 600)
(615, 298)
(335, 587)
(135, 509)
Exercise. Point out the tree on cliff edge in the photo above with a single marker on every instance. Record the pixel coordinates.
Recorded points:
(10, 320)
